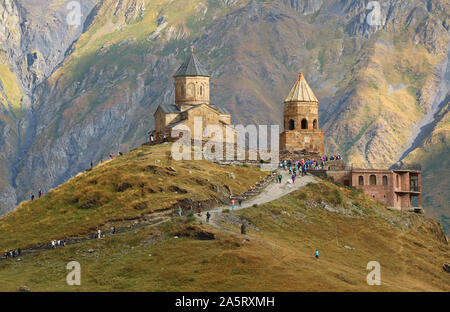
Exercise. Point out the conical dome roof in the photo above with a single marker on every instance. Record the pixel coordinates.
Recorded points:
(301, 92)
(191, 67)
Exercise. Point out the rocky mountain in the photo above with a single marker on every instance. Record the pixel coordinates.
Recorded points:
(72, 93)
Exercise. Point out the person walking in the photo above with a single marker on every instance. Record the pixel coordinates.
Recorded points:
(199, 210)
(40, 193)
(208, 215)
(317, 254)
(99, 233)
(232, 204)
(179, 211)
(240, 203)
(293, 178)
(32, 196)
(92, 164)
(279, 178)
(243, 229)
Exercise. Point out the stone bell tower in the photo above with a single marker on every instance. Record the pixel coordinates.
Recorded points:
(301, 120)
(191, 83)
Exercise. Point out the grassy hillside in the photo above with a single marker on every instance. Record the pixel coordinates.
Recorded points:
(276, 255)
(374, 83)
(126, 188)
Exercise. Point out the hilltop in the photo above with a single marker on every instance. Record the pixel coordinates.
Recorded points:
(71, 93)
(156, 250)
(127, 188)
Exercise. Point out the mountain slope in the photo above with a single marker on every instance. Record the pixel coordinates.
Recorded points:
(375, 82)
(432, 151)
(347, 228)
(127, 188)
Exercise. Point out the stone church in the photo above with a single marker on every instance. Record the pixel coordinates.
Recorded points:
(191, 83)
(301, 120)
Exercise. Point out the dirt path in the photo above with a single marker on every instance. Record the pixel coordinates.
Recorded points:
(271, 192)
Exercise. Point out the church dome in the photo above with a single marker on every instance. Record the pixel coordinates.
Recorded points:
(191, 67)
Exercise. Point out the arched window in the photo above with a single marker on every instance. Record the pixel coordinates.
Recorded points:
(315, 124)
(190, 90)
(373, 180)
(304, 124)
(361, 180)
(385, 180)
(291, 124)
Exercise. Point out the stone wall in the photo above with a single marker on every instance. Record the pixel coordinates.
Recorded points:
(310, 140)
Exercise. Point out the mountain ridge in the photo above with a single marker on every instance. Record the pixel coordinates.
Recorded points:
(119, 69)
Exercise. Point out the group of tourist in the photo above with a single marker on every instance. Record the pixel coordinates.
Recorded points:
(301, 165)
(332, 157)
(39, 195)
(59, 242)
(304, 165)
(13, 253)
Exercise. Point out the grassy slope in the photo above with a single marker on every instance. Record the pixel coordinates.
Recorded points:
(279, 257)
(93, 198)
(258, 62)
(11, 88)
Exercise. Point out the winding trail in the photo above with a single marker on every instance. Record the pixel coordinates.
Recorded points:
(271, 192)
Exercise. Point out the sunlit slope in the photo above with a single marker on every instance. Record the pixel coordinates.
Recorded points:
(140, 182)
(277, 254)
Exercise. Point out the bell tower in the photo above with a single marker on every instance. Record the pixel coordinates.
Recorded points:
(191, 82)
(301, 120)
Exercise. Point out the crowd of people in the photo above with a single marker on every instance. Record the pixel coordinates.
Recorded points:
(303, 166)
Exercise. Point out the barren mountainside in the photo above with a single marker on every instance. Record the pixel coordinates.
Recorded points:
(72, 94)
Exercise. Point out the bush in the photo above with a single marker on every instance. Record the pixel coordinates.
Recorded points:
(337, 197)
(226, 210)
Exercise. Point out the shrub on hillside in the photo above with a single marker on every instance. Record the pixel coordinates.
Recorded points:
(337, 197)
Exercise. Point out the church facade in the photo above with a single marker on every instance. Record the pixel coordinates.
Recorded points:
(301, 120)
(192, 101)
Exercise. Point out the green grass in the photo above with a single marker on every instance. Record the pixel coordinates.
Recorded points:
(126, 187)
(11, 88)
(279, 257)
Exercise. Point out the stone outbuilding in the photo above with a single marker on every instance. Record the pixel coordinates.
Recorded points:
(398, 189)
